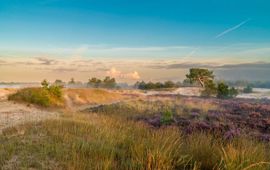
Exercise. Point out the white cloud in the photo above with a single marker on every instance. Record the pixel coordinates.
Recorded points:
(113, 72)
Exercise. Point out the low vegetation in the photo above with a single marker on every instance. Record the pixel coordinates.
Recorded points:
(145, 133)
(45, 96)
(248, 89)
(105, 139)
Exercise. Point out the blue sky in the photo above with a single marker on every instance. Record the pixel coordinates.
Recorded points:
(71, 23)
(224, 31)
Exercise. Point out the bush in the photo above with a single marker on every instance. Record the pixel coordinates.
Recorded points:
(233, 92)
(39, 96)
(166, 118)
(45, 97)
(56, 91)
(224, 92)
(248, 89)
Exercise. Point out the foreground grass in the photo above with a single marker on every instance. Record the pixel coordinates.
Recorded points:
(99, 143)
(107, 142)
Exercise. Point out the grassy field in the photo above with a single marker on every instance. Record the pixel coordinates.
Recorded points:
(120, 136)
(103, 142)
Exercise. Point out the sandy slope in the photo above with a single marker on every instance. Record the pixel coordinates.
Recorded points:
(77, 98)
(5, 92)
(12, 113)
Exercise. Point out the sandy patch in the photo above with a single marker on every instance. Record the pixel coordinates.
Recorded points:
(12, 114)
(5, 92)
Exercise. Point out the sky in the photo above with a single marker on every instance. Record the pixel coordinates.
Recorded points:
(152, 40)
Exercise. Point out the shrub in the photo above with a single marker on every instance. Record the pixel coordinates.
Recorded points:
(166, 118)
(233, 92)
(248, 89)
(224, 92)
(56, 91)
(45, 97)
(39, 96)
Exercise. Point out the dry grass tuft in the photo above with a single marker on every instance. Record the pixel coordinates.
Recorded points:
(90, 96)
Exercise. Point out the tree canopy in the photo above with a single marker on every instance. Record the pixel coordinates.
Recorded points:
(108, 82)
(200, 75)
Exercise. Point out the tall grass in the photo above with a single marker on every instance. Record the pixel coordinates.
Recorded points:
(99, 143)
(109, 139)
(105, 142)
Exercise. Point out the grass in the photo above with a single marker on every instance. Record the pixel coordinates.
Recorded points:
(39, 96)
(90, 96)
(80, 141)
(107, 138)
(92, 143)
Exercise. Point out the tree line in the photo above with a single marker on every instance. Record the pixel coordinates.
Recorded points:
(94, 82)
(199, 77)
(196, 77)
(158, 85)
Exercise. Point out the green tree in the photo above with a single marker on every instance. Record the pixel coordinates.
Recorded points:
(233, 92)
(169, 84)
(72, 81)
(45, 84)
(142, 85)
(59, 83)
(109, 82)
(200, 75)
(248, 89)
(223, 91)
(210, 89)
(94, 82)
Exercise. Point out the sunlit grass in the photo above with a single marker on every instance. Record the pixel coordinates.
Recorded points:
(108, 137)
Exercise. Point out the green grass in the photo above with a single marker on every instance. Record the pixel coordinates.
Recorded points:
(45, 97)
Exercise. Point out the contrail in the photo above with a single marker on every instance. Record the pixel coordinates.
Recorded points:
(232, 28)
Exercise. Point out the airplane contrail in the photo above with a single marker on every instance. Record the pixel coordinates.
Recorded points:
(232, 28)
